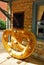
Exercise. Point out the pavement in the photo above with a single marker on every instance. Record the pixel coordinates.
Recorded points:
(6, 59)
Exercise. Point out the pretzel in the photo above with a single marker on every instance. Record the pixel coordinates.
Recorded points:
(23, 51)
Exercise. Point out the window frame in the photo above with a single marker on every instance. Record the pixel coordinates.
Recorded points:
(34, 18)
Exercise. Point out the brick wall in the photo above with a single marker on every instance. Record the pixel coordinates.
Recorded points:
(26, 7)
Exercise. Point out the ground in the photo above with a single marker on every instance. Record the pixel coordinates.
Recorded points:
(6, 59)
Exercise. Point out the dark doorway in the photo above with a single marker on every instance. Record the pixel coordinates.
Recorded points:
(18, 20)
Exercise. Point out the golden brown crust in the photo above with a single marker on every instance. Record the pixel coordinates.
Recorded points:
(16, 42)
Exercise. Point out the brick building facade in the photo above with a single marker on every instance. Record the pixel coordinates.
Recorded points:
(26, 6)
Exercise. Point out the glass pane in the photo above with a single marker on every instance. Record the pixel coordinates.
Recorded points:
(40, 21)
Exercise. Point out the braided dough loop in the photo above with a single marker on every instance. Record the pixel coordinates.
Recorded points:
(19, 36)
(24, 34)
(25, 51)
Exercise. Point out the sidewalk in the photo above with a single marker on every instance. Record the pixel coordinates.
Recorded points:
(6, 59)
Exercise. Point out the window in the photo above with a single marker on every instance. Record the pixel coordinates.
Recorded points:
(18, 20)
(38, 20)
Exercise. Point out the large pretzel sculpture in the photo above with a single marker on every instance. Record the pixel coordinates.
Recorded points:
(21, 44)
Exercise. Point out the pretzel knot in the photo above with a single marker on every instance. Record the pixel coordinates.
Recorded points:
(19, 44)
